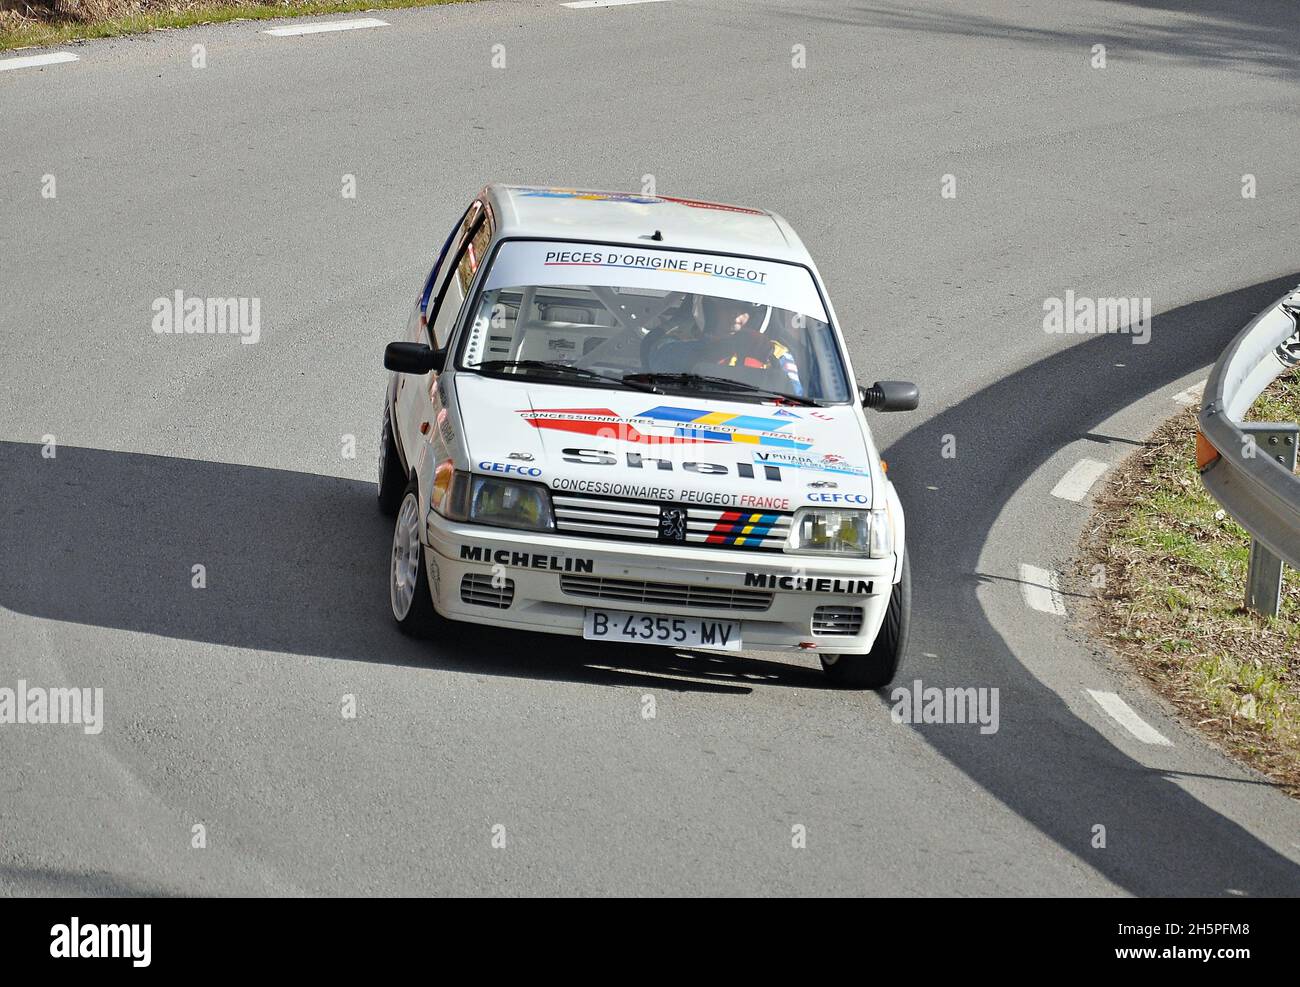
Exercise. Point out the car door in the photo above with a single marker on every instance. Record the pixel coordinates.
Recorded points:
(418, 399)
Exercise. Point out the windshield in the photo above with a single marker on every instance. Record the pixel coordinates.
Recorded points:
(600, 316)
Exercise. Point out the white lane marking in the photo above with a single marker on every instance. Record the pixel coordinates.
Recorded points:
(1079, 480)
(285, 32)
(1041, 590)
(31, 61)
(588, 4)
(1123, 714)
(1191, 396)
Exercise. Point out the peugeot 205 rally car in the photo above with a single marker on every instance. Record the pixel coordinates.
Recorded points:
(633, 418)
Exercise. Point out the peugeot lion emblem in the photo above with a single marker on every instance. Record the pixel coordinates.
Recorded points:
(672, 524)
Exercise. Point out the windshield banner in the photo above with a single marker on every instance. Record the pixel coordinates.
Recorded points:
(761, 282)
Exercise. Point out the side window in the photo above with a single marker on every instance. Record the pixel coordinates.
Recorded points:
(456, 288)
(448, 260)
(439, 272)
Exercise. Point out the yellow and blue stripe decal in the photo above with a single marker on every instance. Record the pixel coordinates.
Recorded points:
(693, 423)
(573, 193)
(741, 529)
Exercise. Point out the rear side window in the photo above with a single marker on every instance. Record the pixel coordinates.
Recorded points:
(439, 272)
(455, 274)
(457, 289)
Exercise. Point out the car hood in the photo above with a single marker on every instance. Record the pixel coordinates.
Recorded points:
(665, 447)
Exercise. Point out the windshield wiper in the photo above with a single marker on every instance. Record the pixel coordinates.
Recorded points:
(560, 369)
(703, 381)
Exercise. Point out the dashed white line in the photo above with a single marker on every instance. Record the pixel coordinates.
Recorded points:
(588, 4)
(31, 61)
(354, 25)
(1191, 396)
(1079, 480)
(1041, 590)
(1123, 714)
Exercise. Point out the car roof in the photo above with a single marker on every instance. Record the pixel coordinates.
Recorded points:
(634, 218)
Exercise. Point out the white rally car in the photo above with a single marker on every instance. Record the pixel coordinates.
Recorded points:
(633, 418)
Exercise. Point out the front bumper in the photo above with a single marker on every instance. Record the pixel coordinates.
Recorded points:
(546, 582)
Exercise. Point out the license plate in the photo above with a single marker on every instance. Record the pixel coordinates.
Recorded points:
(671, 632)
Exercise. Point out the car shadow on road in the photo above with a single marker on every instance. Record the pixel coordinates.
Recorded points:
(55, 882)
(292, 562)
(1044, 763)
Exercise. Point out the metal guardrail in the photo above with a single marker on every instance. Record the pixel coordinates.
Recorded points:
(1249, 468)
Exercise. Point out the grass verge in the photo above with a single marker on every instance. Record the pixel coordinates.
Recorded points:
(1172, 568)
(29, 25)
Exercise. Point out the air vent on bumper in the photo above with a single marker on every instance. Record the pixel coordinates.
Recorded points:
(477, 590)
(665, 594)
(831, 620)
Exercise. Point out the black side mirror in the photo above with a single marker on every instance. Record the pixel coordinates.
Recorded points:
(414, 358)
(890, 395)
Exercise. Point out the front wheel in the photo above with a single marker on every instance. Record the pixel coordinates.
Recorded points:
(392, 481)
(408, 577)
(877, 667)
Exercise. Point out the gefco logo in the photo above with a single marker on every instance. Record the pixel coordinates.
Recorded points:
(839, 498)
(510, 469)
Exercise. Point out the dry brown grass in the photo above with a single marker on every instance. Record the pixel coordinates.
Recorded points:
(44, 22)
(89, 11)
(1174, 569)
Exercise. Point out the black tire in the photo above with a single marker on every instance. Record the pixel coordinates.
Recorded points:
(877, 668)
(408, 570)
(392, 479)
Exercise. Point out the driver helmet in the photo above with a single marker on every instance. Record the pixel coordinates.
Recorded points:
(708, 305)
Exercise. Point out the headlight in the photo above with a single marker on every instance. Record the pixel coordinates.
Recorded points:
(823, 531)
(503, 503)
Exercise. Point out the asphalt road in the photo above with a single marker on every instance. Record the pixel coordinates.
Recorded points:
(223, 706)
